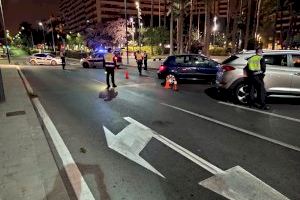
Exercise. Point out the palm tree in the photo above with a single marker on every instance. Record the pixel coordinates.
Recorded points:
(228, 21)
(191, 26)
(249, 6)
(235, 25)
(171, 26)
(207, 28)
(151, 21)
(180, 26)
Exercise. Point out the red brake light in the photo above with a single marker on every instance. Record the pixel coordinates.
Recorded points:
(162, 68)
(227, 68)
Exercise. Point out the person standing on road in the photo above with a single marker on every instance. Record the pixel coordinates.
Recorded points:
(256, 68)
(139, 61)
(109, 66)
(145, 60)
(63, 59)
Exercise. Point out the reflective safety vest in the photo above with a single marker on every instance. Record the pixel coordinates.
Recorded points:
(254, 63)
(139, 56)
(109, 60)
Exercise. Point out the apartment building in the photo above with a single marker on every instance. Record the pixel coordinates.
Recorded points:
(80, 14)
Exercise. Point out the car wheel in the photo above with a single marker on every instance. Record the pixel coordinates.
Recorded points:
(53, 62)
(85, 65)
(241, 93)
(32, 62)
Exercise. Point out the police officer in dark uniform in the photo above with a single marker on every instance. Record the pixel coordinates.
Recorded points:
(256, 68)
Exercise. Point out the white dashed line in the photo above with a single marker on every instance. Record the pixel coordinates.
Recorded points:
(236, 128)
(262, 112)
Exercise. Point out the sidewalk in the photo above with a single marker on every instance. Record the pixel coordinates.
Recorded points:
(27, 167)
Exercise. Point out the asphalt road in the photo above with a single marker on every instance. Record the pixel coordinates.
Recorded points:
(79, 106)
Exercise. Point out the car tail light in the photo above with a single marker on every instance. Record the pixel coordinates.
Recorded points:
(162, 68)
(227, 68)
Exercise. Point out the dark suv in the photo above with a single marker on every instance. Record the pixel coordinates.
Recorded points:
(189, 66)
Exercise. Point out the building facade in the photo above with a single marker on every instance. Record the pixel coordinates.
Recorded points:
(80, 14)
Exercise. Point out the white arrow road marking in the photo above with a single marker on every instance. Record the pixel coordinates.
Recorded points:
(289, 146)
(262, 112)
(235, 183)
(130, 142)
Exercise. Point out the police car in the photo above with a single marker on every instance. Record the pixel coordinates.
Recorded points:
(96, 59)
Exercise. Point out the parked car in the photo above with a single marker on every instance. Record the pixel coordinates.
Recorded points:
(96, 60)
(118, 58)
(282, 74)
(189, 66)
(44, 59)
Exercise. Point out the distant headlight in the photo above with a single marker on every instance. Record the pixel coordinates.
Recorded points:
(81, 60)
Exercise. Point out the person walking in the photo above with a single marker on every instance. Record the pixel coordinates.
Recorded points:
(63, 59)
(145, 60)
(109, 66)
(139, 61)
(256, 68)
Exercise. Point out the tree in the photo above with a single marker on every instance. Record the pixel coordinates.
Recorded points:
(247, 33)
(190, 26)
(207, 29)
(117, 31)
(155, 36)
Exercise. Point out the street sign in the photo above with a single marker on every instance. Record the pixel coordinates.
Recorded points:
(234, 183)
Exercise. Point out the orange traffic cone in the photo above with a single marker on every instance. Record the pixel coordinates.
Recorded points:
(175, 87)
(167, 85)
(126, 75)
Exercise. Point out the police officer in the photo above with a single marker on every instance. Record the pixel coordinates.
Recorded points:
(139, 61)
(109, 66)
(145, 60)
(256, 68)
(63, 59)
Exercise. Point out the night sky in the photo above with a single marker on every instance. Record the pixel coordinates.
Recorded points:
(32, 11)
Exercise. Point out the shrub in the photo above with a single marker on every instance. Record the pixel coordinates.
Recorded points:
(218, 51)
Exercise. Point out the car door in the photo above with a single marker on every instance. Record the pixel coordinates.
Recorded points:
(206, 68)
(295, 62)
(278, 77)
(185, 68)
(39, 58)
(98, 60)
(48, 58)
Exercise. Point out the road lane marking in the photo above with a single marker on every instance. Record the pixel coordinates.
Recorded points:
(262, 112)
(235, 128)
(80, 187)
(234, 183)
(78, 183)
(184, 152)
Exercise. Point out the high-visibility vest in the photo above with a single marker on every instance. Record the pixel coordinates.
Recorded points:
(109, 60)
(254, 63)
(139, 56)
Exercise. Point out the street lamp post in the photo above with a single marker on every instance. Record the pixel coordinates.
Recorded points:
(215, 28)
(41, 25)
(53, 41)
(125, 5)
(137, 3)
(4, 29)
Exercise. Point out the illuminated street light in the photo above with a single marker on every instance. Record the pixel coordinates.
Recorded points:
(41, 25)
(215, 28)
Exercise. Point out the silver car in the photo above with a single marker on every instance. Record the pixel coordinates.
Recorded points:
(44, 59)
(282, 74)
